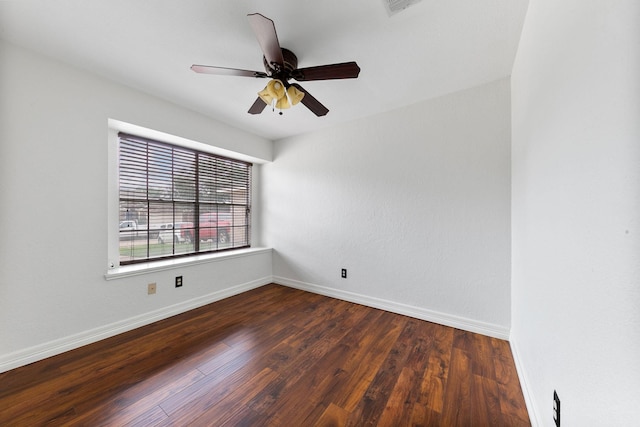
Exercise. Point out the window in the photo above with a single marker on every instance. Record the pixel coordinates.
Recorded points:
(175, 201)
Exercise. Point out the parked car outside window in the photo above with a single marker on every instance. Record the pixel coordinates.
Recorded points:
(180, 232)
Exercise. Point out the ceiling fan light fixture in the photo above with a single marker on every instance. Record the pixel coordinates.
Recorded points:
(276, 95)
(273, 91)
(283, 103)
(294, 95)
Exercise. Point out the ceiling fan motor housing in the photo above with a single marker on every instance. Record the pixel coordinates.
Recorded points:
(290, 64)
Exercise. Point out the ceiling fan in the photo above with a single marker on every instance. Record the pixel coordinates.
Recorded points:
(280, 66)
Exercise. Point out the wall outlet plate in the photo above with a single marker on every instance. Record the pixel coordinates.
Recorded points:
(151, 288)
(556, 408)
(343, 274)
(178, 281)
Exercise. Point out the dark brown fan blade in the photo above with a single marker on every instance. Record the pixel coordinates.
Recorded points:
(345, 70)
(265, 31)
(257, 106)
(311, 103)
(222, 71)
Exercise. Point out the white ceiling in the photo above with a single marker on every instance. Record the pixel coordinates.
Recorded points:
(430, 49)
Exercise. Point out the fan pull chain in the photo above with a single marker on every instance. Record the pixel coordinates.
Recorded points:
(286, 93)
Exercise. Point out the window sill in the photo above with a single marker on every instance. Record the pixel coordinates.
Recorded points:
(150, 267)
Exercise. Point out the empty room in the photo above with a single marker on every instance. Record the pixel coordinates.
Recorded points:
(388, 212)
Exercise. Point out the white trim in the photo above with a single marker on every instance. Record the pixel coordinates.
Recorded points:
(144, 132)
(463, 323)
(52, 348)
(153, 266)
(113, 143)
(524, 385)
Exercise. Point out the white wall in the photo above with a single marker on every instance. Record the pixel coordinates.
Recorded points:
(415, 204)
(53, 210)
(576, 211)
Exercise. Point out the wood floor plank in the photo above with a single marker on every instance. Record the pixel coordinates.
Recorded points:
(510, 392)
(399, 408)
(332, 416)
(139, 400)
(457, 407)
(485, 401)
(235, 402)
(369, 350)
(512, 403)
(433, 384)
(479, 349)
(308, 380)
(273, 356)
(377, 394)
(317, 354)
(425, 417)
(130, 416)
(211, 389)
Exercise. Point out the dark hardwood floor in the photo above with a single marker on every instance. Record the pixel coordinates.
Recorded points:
(273, 356)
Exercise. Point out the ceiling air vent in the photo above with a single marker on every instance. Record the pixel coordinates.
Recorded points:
(395, 6)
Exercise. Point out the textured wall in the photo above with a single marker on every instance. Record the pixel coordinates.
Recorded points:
(415, 204)
(576, 210)
(54, 208)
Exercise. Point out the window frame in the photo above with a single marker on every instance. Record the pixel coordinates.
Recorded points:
(234, 206)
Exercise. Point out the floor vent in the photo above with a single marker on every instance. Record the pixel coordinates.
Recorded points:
(395, 6)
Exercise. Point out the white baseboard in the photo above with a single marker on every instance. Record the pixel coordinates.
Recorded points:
(524, 385)
(463, 323)
(52, 348)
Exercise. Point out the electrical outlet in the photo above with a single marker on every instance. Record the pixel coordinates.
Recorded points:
(344, 273)
(556, 408)
(151, 288)
(178, 281)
